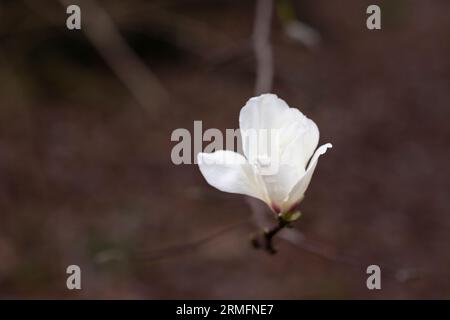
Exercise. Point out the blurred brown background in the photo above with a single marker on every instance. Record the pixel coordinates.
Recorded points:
(86, 176)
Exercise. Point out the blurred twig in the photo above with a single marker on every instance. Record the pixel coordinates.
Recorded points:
(262, 46)
(134, 74)
(187, 247)
(295, 29)
(297, 239)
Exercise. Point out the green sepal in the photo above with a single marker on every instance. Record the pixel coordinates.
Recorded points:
(291, 216)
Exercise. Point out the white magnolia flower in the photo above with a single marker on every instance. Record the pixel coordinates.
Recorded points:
(293, 153)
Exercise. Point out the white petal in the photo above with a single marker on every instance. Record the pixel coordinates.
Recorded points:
(302, 137)
(262, 112)
(270, 128)
(299, 189)
(291, 166)
(257, 118)
(229, 171)
(280, 184)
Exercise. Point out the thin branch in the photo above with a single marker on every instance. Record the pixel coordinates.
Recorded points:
(297, 239)
(267, 237)
(262, 46)
(187, 247)
(105, 37)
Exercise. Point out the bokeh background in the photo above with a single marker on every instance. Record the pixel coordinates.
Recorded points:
(86, 176)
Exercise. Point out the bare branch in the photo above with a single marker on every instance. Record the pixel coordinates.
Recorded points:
(134, 74)
(187, 247)
(262, 46)
(297, 239)
(266, 238)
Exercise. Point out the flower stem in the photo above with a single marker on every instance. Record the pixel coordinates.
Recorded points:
(267, 236)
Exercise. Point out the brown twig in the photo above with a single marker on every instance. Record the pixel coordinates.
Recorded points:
(262, 46)
(187, 247)
(267, 236)
(105, 37)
